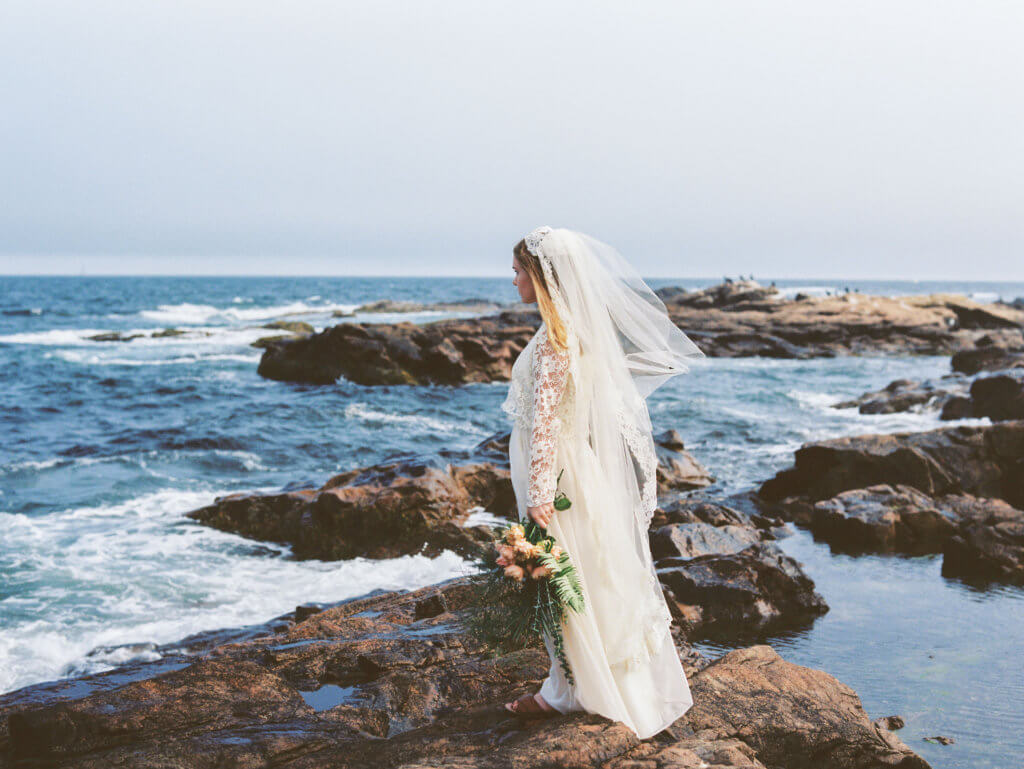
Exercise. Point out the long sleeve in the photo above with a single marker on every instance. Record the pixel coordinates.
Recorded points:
(550, 372)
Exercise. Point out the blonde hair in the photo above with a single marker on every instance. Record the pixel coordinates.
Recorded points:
(557, 334)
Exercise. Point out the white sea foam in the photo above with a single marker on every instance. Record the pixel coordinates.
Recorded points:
(192, 314)
(363, 412)
(97, 359)
(139, 573)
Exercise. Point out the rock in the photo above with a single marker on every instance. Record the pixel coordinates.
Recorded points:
(167, 332)
(413, 504)
(999, 397)
(730, 293)
(677, 469)
(980, 538)
(985, 460)
(689, 540)
(756, 589)
(445, 352)
(735, 318)
(462, 305)
(883, 518)
(392, 680)
(384, 511)
(730, 702)
(908, 395)
(889, 722)
(940, 740)
(113, 336)
(988, 543)
(987, 357)
(297, 327)
(743, 318)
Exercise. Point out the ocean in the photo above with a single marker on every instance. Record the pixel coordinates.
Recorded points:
(106, 445)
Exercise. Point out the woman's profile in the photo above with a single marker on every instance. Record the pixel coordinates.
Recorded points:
(577, 398)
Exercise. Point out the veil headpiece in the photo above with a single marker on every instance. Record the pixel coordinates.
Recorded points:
(629, 343)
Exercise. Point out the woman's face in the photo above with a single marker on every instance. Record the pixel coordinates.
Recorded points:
(522, 282)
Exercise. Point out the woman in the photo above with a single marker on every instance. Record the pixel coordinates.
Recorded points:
(577, 396)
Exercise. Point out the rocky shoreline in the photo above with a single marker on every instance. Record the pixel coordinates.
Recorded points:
(731, 319)
(392, 678)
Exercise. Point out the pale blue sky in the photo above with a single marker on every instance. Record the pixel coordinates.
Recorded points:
(783, 139)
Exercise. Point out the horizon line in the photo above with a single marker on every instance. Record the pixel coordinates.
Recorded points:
(721, 278)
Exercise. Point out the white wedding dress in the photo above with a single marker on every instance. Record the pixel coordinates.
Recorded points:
(624, 661)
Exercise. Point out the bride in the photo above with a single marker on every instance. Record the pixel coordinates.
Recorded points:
(577, 397)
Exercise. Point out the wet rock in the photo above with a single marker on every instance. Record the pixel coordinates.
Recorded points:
(734, 318)
(999, 396)
(889, 722)
(980, 538)
(462, 305)
(987, 356)
(677, 468)
(414, 504)
(444, 352)
(113, 336)
(908, 395)
(384, 511)
(689, 540)
(780, 726)
(884, 518)
(725, 594)
(988, 543)
(392, 680)
(297, 327)
(984, 460)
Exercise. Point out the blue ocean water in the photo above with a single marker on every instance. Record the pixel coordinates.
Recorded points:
(105, 446)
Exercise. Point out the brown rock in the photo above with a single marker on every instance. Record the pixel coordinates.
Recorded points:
(391, 680)
(755, 589)
(982, 460)
(809, 719)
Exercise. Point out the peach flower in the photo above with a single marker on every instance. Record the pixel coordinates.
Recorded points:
(513, 571)
(539, 572)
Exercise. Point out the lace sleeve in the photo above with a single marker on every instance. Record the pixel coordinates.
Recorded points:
(550, 371)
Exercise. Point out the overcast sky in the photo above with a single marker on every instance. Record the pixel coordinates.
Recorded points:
(782, 139)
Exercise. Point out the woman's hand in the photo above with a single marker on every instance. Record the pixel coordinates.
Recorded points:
(541, 514)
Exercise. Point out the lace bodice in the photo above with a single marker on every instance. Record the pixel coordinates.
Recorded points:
(540, 401)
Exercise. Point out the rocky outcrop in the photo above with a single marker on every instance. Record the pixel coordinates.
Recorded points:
(786, 727)
(478, 305)
(986, 461)
(756, 589)
(734, 318)
(909, 395)
(380, 512)
(954, 490)
(741, 318)
(416, 504)
(443, 352)
(987, 355)
(980, 538)
(392, 680)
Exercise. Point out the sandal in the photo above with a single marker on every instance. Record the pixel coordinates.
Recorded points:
(528, 707)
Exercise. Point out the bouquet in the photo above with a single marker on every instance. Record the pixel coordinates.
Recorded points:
(529, 584)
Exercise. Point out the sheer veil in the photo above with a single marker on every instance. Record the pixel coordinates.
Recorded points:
(624, 346)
